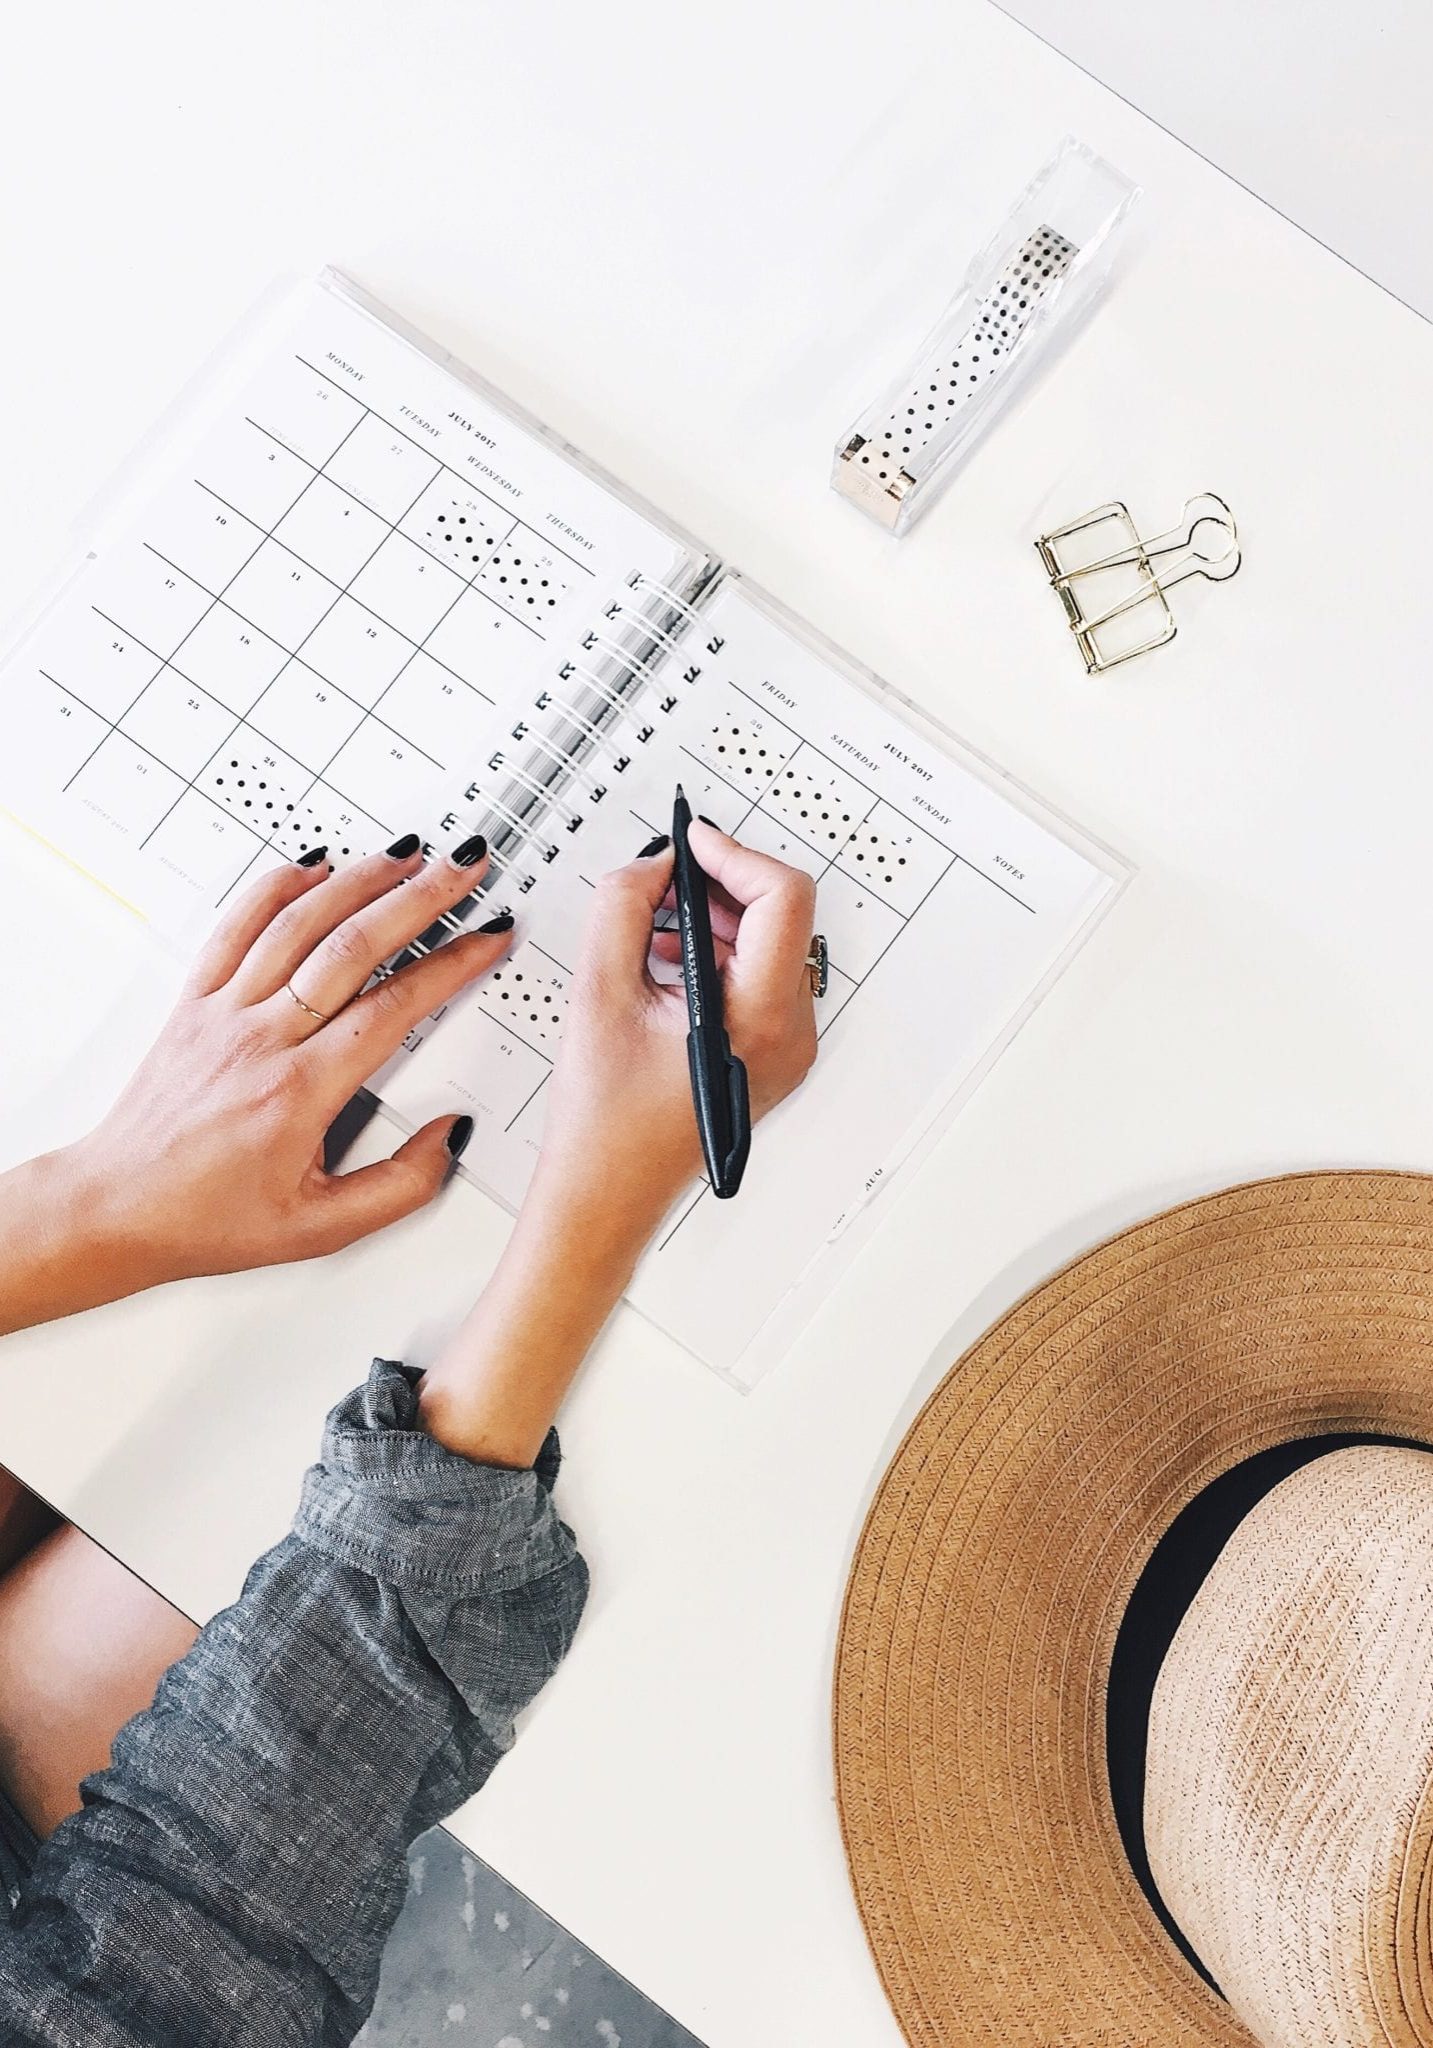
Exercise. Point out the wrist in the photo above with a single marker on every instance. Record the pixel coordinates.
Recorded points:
(493, 1390)
(603, 1223)
(67, 1245)
(100, 1224)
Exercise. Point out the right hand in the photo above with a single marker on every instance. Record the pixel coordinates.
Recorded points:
(621, 1137)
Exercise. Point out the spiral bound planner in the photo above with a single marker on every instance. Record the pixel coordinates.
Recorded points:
(353, 591)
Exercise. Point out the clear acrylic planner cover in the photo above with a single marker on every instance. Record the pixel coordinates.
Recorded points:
(349, 590)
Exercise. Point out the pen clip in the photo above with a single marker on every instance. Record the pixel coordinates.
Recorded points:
(738, 1097)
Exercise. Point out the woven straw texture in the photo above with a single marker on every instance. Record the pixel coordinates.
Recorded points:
(1291, 1758)
(999, 1554)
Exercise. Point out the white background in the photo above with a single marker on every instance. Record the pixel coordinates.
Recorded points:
(697, 243)
(1320, 108)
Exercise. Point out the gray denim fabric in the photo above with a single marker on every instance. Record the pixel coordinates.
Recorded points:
(233, 1876)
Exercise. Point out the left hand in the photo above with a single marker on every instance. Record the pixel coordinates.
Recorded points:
(212, 1158)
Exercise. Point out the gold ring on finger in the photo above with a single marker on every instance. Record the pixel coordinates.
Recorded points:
(307, 1008)
(818, 964)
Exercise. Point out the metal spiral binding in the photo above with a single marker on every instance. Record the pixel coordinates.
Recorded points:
(511, 813)
(616, 702)
(664, 590)
(613, 651)
(539, 788)
(592, 732)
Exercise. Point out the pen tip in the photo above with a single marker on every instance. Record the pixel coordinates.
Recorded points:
(681, 794)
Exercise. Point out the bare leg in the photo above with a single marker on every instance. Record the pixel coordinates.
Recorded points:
(83, 1644)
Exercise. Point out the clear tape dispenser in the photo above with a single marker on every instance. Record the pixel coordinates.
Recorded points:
(1024, 291)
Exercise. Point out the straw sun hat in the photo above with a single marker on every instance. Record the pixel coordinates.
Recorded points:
(1134, 1688)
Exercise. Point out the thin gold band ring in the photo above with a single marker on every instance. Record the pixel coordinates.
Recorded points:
(308, 1008)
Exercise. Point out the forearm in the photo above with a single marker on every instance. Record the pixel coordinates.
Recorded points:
(63, 1250)
(496, 1386)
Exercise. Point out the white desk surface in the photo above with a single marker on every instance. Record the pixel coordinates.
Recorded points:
(696, 242)
(1318, 107)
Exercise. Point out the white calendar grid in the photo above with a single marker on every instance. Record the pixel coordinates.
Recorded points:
(529, 988)
(848, 857)
(847, 853)
(556, 994)
(886, 863)
(291, 788)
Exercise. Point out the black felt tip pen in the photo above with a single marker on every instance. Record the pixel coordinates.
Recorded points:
(719, 1091)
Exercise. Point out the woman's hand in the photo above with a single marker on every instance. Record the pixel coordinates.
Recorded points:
(212, 1158)
(621, 1138)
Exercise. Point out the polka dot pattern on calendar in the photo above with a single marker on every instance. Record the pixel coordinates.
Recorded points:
(756, 777)
(308, 631)
(528, 994)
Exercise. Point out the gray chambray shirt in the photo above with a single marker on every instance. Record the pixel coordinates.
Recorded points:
(234, 1874)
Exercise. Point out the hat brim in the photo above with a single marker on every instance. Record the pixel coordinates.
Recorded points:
(999, 1554)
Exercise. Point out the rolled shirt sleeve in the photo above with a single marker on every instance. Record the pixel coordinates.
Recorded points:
(233, 1875)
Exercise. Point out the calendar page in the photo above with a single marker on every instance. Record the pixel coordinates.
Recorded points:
(360, 594)
(948, 903)
(330, 591)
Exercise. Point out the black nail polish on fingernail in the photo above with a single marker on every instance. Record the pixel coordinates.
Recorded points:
(459, 1135)
(654, 846)
(470, 852)
(404, 848)
(503, 922)
(708, 821)
(312, 858)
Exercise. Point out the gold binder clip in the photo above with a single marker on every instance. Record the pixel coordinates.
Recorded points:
(1116, 597)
